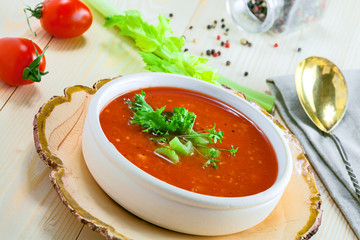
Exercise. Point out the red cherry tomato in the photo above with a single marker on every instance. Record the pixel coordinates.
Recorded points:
(17, 54)
(63, 18)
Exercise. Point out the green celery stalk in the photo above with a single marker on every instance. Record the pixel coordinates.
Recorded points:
(163, 54)
(265, 100)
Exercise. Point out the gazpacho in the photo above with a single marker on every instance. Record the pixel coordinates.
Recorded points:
(190, 140)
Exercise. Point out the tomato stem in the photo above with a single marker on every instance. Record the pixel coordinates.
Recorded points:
(32, 72)
(37, 13)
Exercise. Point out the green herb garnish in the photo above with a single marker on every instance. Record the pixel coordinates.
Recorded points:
(158, 122)
(174, 131)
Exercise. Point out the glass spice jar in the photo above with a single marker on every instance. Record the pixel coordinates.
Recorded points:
(274, 16)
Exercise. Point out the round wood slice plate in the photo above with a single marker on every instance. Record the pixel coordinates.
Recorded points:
(57, 134)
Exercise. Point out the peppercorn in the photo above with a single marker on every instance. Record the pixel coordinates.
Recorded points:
(215, 21)
(222, 43)
(246, 73)
(222, 25)
(191, 27)
(215, 54)
(171, 15)
(185, 50)
(299, 49)
(227, 29)
(222, 20)
(218, 37)
(276, 45)
(212, 51)
(228, 63)
(208, 52)
(243, 41)
(219, 53)
(209, 27)
(249, 44)
(227, 44)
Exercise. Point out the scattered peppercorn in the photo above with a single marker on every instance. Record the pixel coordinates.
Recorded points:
(219, 53)
(194, 40)
(246, 73)
(243, 41)
(209, 26)
(208, 52)
(212, 51)
(215, 21)
(227, 44)
(227, 29)
(222, 43)
(191, 27)
(185, 50)
(222, 20)
(171, 15)
(201, 54)
(276, 45)
(249, 44)
(215, 54)
(222, 25)
(299, 49)
(228, 63)
(218, 37)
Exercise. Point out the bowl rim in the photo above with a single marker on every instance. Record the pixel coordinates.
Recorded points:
(159, 186)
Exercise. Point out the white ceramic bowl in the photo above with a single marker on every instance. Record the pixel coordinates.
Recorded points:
(163, 204)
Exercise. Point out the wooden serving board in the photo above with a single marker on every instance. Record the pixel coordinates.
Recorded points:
(57, 134)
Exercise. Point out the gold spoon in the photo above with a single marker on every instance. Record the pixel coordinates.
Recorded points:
(323, 94)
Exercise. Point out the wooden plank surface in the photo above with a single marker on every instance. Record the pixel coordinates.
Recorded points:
(29, 207)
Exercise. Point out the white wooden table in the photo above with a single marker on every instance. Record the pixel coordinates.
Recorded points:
(29, 207)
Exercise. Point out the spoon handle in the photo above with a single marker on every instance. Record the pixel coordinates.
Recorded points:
(347, 165)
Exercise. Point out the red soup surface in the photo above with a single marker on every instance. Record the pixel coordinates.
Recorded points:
(253, 169)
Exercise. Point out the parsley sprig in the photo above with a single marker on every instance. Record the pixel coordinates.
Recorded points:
(175, 131)
(159, 122)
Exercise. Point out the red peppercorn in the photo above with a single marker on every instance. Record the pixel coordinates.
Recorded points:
(227, 45)
(218, 37)
(276, 45)
(215, 54)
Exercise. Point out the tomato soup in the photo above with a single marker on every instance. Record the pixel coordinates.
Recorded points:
(251, 170)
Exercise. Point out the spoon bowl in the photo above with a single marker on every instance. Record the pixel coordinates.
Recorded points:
(322, 91)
